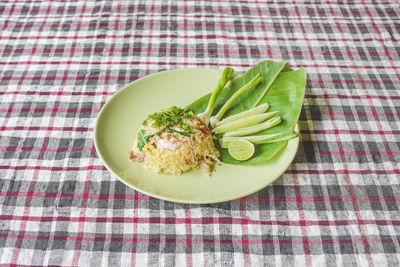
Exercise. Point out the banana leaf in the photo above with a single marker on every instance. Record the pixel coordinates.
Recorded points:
(269, 71)
(285, 94)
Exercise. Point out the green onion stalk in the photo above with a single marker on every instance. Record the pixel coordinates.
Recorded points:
(227, 76)
(256, 110)
(255, 128)
(243, 122)
(261, 139)
(253, 83)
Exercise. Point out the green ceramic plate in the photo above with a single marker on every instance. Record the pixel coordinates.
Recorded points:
(121, 117)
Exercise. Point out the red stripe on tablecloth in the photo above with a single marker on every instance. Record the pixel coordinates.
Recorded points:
(198, 241)
(363, 132)
(361, 81)
(85, 129)
(248, 199)
(167, 63)
(13, 259)
(347, 176)
(381, 39)
(303, 222)
(123, 78)
(319, 152)
(184, 12)
(135, 227)
(46, 149)
(54, 129)
(71, 110)
(135, 214)
(11, 12)
(177, 50)
(189, 236)
(201, 36)
(135, 223)
(375, 114)
(354, 152)
(39, 167)
(102, 168)
(57, 101)
(88, 110)
(200, 221)
(83, 218)
(243, 2)
(314, 96)
(18, 243)
(81, 225)
(306, 246)
(340, 96)
(56, 93)
(245, 233)
(188, 224)
(221, 25)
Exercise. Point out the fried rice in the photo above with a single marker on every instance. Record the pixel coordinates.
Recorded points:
(171, 150)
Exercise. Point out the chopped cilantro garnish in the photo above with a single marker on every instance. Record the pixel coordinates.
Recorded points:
(169, 118)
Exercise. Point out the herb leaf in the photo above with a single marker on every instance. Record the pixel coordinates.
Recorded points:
(169, 130)
(184, 126)
(170, 117)
(142, 140)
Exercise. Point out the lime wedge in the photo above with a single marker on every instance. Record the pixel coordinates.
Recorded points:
(240, 149)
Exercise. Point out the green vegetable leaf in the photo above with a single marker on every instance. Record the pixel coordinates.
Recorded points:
(285, 93)
(269, 70)
(169, 130)
(142, 140)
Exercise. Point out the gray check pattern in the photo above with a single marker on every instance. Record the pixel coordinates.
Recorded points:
(337, 204)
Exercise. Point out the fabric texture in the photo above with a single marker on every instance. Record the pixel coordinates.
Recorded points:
(337, 204)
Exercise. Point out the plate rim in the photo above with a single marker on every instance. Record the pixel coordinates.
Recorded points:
(172, 199)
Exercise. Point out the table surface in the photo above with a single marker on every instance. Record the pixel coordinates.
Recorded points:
(336, 205)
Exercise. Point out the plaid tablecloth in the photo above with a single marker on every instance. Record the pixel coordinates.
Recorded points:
(337, 204)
